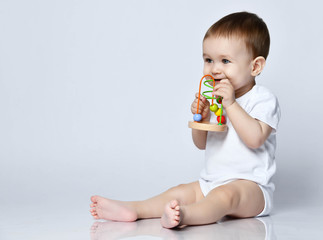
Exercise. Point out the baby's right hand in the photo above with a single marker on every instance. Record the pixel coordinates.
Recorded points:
(204, 107)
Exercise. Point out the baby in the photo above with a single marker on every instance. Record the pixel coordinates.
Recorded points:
(239, 164)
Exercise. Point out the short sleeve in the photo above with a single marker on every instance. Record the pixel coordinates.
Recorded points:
(266, 108)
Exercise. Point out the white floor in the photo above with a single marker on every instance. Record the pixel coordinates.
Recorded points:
(74, 222)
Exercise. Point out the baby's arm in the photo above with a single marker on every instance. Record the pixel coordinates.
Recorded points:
(199, 137)
(252, 131)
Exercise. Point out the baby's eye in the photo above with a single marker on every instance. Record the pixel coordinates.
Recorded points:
(208, 60)
(225, 61)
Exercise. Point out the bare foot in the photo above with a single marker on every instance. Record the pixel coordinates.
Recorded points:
(104, 208)
(172, 215)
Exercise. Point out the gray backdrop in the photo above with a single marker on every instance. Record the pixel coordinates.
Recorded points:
(95, 97)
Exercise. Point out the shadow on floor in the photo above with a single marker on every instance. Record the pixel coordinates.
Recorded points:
(250, 228)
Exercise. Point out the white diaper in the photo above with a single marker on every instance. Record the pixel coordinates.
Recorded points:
(268, 192)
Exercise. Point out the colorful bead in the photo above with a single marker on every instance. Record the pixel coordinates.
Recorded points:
(222, 119)
(218, 112)
(197, 117)
(214, 107)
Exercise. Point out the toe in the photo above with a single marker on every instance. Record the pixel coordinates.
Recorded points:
(173, 204)
(94, 199)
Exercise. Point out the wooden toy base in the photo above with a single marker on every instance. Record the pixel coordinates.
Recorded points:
(207, 126)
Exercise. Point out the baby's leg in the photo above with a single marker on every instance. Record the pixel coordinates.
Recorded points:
(241, 198)
(104, 208)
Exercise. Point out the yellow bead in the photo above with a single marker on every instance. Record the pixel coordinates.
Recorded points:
(218, 112)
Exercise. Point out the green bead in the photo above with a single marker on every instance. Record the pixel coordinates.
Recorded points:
(214, 107)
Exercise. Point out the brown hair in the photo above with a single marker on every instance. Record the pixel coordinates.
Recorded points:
(247, 26)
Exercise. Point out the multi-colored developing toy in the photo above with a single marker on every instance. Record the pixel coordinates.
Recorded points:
(218, 111)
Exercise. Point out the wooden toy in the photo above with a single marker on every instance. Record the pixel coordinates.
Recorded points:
(218, 111)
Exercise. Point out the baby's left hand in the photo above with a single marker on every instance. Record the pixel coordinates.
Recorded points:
(225, 89)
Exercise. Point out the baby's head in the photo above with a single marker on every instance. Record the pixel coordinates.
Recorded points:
(245, 26)
(236, 48)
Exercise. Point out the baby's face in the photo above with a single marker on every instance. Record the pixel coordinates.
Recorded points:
(229, 58)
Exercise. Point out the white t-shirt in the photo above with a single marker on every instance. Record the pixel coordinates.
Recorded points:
(226, 156)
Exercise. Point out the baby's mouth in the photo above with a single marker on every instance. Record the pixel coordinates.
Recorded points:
(217, 80)
(211, 83)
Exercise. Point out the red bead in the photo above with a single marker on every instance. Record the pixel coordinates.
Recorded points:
(222, 119)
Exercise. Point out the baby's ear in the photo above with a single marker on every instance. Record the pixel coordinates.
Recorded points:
(258, 65)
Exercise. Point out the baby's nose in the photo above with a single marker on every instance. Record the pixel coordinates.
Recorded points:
(216, 70)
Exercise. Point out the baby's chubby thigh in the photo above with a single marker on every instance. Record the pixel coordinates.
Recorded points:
(243, 198)
(186, 194)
